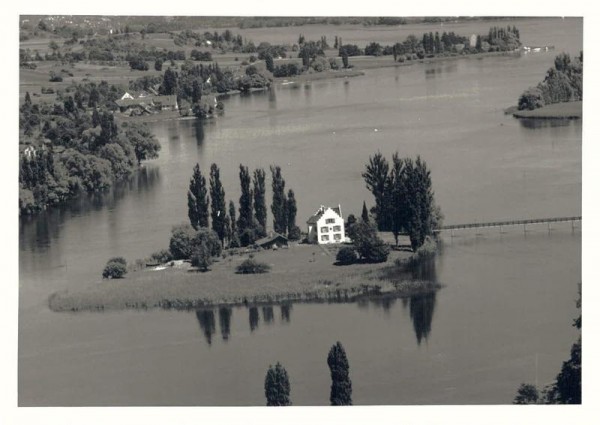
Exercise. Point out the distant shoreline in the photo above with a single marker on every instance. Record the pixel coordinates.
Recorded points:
(300, 273)
(564, 110)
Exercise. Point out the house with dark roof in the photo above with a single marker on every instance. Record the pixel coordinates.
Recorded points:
(274, 240)
(135, 106)
(165, 103)
(326, 226)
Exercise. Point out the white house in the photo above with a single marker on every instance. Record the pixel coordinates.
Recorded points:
(326, 225)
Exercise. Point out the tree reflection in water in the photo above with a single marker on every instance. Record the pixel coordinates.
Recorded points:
(253, 318)
(225, 321)
(285, 312)
(268, 314)
(421, 313)
(206, 320)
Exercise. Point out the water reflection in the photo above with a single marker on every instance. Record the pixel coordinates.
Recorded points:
(285, 312)
(206, 320)
(421, 313)
(272, 99)
(37, 232)
(268, 314)
(438, 70)
(253, 318)
(532, 123)
(225, 321)
(199, 132)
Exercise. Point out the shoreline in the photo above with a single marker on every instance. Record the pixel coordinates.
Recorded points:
(297, 275)
(554, 111)
(357, 70)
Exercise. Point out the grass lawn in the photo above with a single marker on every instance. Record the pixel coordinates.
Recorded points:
(298, 273)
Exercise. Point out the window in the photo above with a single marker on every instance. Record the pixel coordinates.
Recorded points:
(324, 238)
(337, 228)
(330, 220)
(337, 237)
(324, 229)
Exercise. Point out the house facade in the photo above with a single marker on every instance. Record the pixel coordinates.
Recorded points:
(326, 226)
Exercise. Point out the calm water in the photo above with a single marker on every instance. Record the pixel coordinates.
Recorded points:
(508, 300)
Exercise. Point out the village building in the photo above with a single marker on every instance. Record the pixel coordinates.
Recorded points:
(273, 240)
(326, 226)
(139, 103)
(165, 103)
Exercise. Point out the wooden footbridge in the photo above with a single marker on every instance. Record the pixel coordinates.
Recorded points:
(501, 224)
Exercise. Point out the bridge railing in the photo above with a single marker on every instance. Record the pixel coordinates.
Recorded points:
(508, 223)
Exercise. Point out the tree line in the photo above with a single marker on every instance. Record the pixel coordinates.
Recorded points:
(215, 224)
(404, 197)
(277, 382)
(433, 44)
(67, 150)
(562, 83)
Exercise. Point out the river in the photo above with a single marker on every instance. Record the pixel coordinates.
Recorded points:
(503, 316)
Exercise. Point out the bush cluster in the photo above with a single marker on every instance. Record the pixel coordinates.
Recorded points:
(115, 268)
(251, 266)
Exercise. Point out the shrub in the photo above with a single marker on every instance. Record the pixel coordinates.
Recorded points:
(115, 268)
(251, 266)
(201, 257)
(180, 244)
(162, 256)
(366, 242)
(346, 255)
(295, 233)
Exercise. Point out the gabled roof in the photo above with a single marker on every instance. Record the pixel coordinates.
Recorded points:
(317, 215)
(271, 238)
(165, 100)
(132, 102)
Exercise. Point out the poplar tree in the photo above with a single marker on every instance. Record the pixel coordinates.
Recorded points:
(234, 240)
(218, 212)
(244, 222)
(376, 179)
(277, 386)
(291, 211)
(260, 205)
(341, 386)
(278, 207)
(198, 200)
(365, 213)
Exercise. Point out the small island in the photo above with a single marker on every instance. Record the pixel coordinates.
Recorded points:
(299, 273)
(559, 96)
(218, 259)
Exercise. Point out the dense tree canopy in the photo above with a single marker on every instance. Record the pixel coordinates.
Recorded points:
(277, 386)
(341, 385)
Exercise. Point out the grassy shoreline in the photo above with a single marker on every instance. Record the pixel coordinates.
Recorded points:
(564, 110)
(301, 273)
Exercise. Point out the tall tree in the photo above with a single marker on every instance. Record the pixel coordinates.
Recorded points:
(278, 207)
(198, 200)
(269, 62)
(397, 196)
(234, 240)
(218, 212)
(277, 386)
(341, 386)
(291, 210)
(365, 213)
(244, 221)
(376, 179)
(260, 204)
